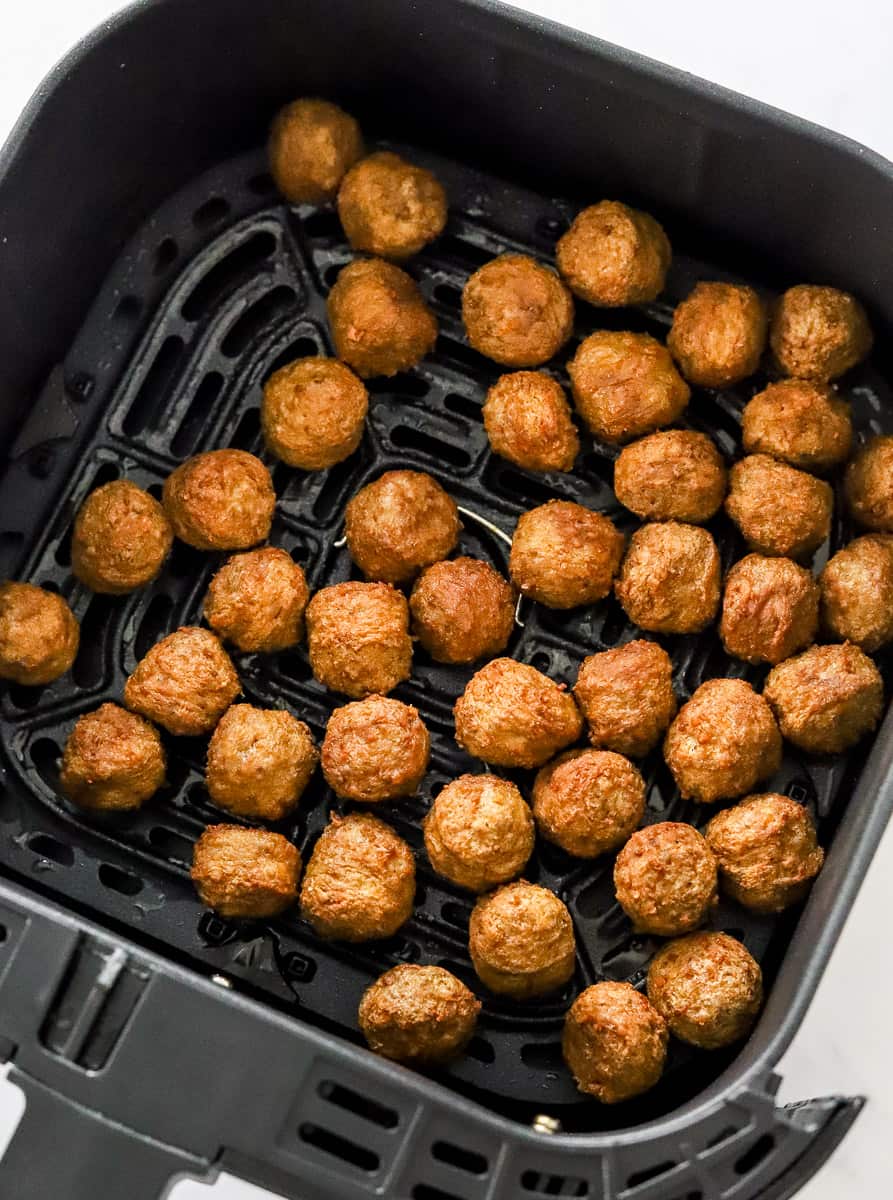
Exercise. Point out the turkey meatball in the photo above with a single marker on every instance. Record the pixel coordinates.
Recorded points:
(358, 638)
(614, 255)
(627, 697)
(819, 332)
(868, 484)
(257, 600)
(675, 475)
(113, 761)
(375, 749)
(670, 578)
(528, 421)
(564, 555)
(779, 510)
(517, 311)
(390, 207)
(312, 144)
(313, 413)
(802, 423)
(588, 801)
(121, 538)
(665, 879)
(521, 941)
(245, 872)
(259, 762)
(416, 1014)
(479, 832)
(614, 1042)
(857, 592)
(719, 334)
(770, 609)
(185, 683)
(462, 610)
(380, 322)
(39, 634)
(222, 500)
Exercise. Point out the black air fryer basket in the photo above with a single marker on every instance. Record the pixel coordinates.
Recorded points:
(150, 281)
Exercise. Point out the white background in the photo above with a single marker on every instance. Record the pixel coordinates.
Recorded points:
(831, 62)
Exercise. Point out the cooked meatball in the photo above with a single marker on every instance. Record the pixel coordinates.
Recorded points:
(313, 413)
(257, 600)
(312, 144)
(418, 1014)
(121, 538)
(462, 610)
(259, 762)
(400, 524)
(779, 510)
(512, 715)
(517, 311)
(528, 421)
(222, 500)
(614, 1042)
(245, 872)
(588, 801)
(802, 423)
(670, 578)
(185, 683)
(723, 741)
(665, 879)
(39, 634)
(479, 832)
(521, 941)
(358, 638)
(375, 749)
(719, 334)
(627, 697)
(770, 609)
(380, 322)
(390, 207)
(675, 475)
(360, 882)
(819, 332)
(868, 484)
(564, 555)
(857, 592)
(614, 255)
(113, 760)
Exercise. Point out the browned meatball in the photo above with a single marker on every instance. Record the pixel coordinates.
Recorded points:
(819, 332)
(121, 538)
(479, 832)
(588, 801)
(528, 421)
(375, 749)
(670, 578)
(390, 207)
(380, 322)
(39, 634)
(113, 760)
(826, 699)
(779, 510)
(512, 715)
(257, 600)
(767, 851)
(707, 987)
(418, 1014)
(770, 609)
(259, 762)
(675, 475)
(462, 610)
(802, 423)
(358, 638)
(222, 500)
(521, 941)
(312, 144)
(517, 311)
(614, 1042)
(564, 555)
(627, 697)
(869, 484)
(313, 413)
(857, 592)
(185, 683)
(665, 879)
(719, 334)
(245, 872)
(400, 524)
(614, 255)
(723, 741)
(360, 881)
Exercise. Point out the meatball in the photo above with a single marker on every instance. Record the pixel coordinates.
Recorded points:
(707, 987)
(39, 634)
(259, 762)
(802, 423)
(521, 941)
(380, 322)
(517, 311)
(313, 413)
(718, 334)
(819, 332)
(588, 801)
(245, 872)
(614, 255)
(312, 144)
(670, 578)
(723, 741)
(675, 475)
(627, 697)
(462, 610)
(512, 715)
(868, 484)
(479, 832)
(614, 1042)
(564, 555)
(360, 881)
(665, 879)
(113, 760)
(779, 510)
(400, 524)
(528, 421)
(358, 638)
(767, 851)
(389, 207)
(857, 592)
(826, 699)
(418, 1014)
(222, 500)
(185, 683)
(770, 609)
(121, 538)
(375, 749)
(257, 600)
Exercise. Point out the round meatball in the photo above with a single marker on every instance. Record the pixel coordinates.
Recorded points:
(416, 1014)
(121, 538)
(718, 334)
(521, 941)
(389, 207)
(313, 413)
(257, 600)
(614, 255)
(259, 762)
(479, 832)
(400, 524)
(665, 879)
(627, 697)
(826, 699)
(185, 683)
(588, 801)
(670, 578)
(707, 987)
(360, 882)
(767, 851)
(517, 311)
(312, 144)
(358, 638)
(802, 423)
(222, 500)
(512, 715)
(770, 609)
(462, 610)
(857, 592)
(564, 555)
(375, 749)
(723, 741)
(528, 421)
(245, 872)
(39, 634)
(614, 1042)
(113, 761)
(819, 332)
(779, 510)
(675, 475)
(868, 484)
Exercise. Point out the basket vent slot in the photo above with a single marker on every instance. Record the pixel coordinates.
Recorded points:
(754, 1155)
(339, 1147)
(460, 1157)
(156, 386)
(637, 1178)
(49, 847)
(405, 437)
(257, 319)
(229, 273)
(193, 424)
(553, 1185)
(361, 1106)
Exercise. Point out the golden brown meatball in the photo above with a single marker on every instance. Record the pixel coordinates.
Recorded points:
(868, 484)
(257, 600)
(670, 578)
(614, 255)
(113, 760)
(614, 1042)
(390, 207)
(770, 609)
(245, 872)
(380, 321)
(517, 311)
(400, 524)
(312, 144)
(375, 749)
(121, 538)
(358, 638)
(222, 500)
(521, 941)
(259, 762)
(707, 987)
(767, 851)
(857, 592)
(627, 697)
(512, 715)
(719, 334)
(564, 555)
(462, 610)
(528, 421)
(819, 332)
(360, 882)
(588, 801)
(39, 634)
(723, 741)
(313, 413)
(675, 475)
(665, 879)
(779, 510)
(418, 1014)
(185, 683)
(802, 423)
(479, 832)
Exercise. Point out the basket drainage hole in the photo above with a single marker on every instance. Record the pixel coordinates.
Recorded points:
(127, 310)
(424, 1191)
(257, 319)
(117, 880)
(210, 213)
(4, 933)
(360, 1106)
(165, 255)
(480, 1050)
(639, 1177)
(460, 1157)
(49, 847)
(754, 1155)
(542, 1056)
(338, 1147)
(404, 437)
(45, 756)
(553, 1185)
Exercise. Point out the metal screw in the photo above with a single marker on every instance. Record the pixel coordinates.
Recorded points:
(222, 981)
(543, 1123)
